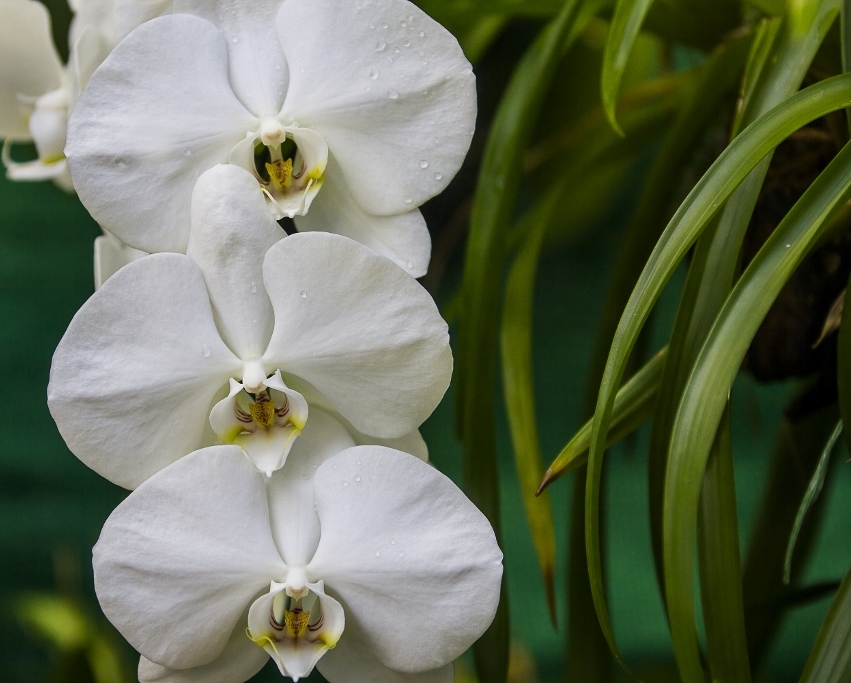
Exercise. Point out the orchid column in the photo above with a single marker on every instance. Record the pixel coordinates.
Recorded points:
(262, 393)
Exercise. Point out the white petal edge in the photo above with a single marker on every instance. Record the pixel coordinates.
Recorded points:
(370, 339)
(395, 98)
(231, 232)
(421, 594)
(135, 375)
(111, 255)
(155, 115)
(238, 662)
(29, 63)
(180, 559)
(403, 238)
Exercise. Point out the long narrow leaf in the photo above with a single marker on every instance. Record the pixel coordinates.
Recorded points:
(813, 491)
(830, 659)
(686, 225)
(843, 367)
(493, 207)
(626, 23)
(516, 352)
(706, 393)
(634, 404)
(720, 564)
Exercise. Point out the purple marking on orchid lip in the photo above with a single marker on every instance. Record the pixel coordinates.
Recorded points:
(318, 624)
(241, 415)
(297, 176)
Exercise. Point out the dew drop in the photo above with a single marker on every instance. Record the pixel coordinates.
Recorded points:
(378, 553)
(408, 200)
(393, 94)
(253, 288)
(345, 483)
(380, 46)
(234, 40)
(303, 294)
(396, 50)
(401, 554)
(374, 74)
(392, 541)
(421, 34)
(384, 25)
(410, 17)
(423, 164)
(187, 152)
(788, 246)
(438, 176)
(357, 478)
(406, 43)
(403, 24)
(205, 351)
(410, 265)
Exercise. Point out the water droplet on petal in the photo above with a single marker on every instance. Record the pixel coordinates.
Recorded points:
(406, 43)
(396, 50)
(409, 265)
(401, 554)
(421, 34)
(205, 351)
(234, 40)
(187, 152)
(378, 553)
(303, 294)
(403, 24)
(423, 163)
(380, 46)
(392, 541)
(345, 483)
(393, 94)
(374, 74)
(438, 176)
(384, 25)
(410, 17)
(408, 200)
(253, 288)
(357, 478)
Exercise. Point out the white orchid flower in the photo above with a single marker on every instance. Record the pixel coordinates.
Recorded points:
(111, 254)
(170, 337)
(348, 114)
(366, 563)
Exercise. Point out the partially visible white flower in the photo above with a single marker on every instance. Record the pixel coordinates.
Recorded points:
(111, 254)
(349, 115)
(336, 562)
(226, 337)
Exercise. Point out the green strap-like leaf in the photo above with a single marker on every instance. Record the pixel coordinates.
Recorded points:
(493, 207)
(830, 658)
(814, 488)
(690, 219)
(843, 366)
(634, 404)
(720, 564)
(626, 23)
(705, 396)
(516, 352)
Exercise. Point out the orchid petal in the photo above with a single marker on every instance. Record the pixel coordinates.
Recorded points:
(135, 375)
(175, 568)
(89, 51)
(403, 238)
(370, 339)
(296, 657)
(129, 14)
(231, 232)
(29, 63)
(138, 141)
(295, 526)
(395, 97)
(351, 662)
(258, 70)
(238, 662)
(420, 593)
(111, 254)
